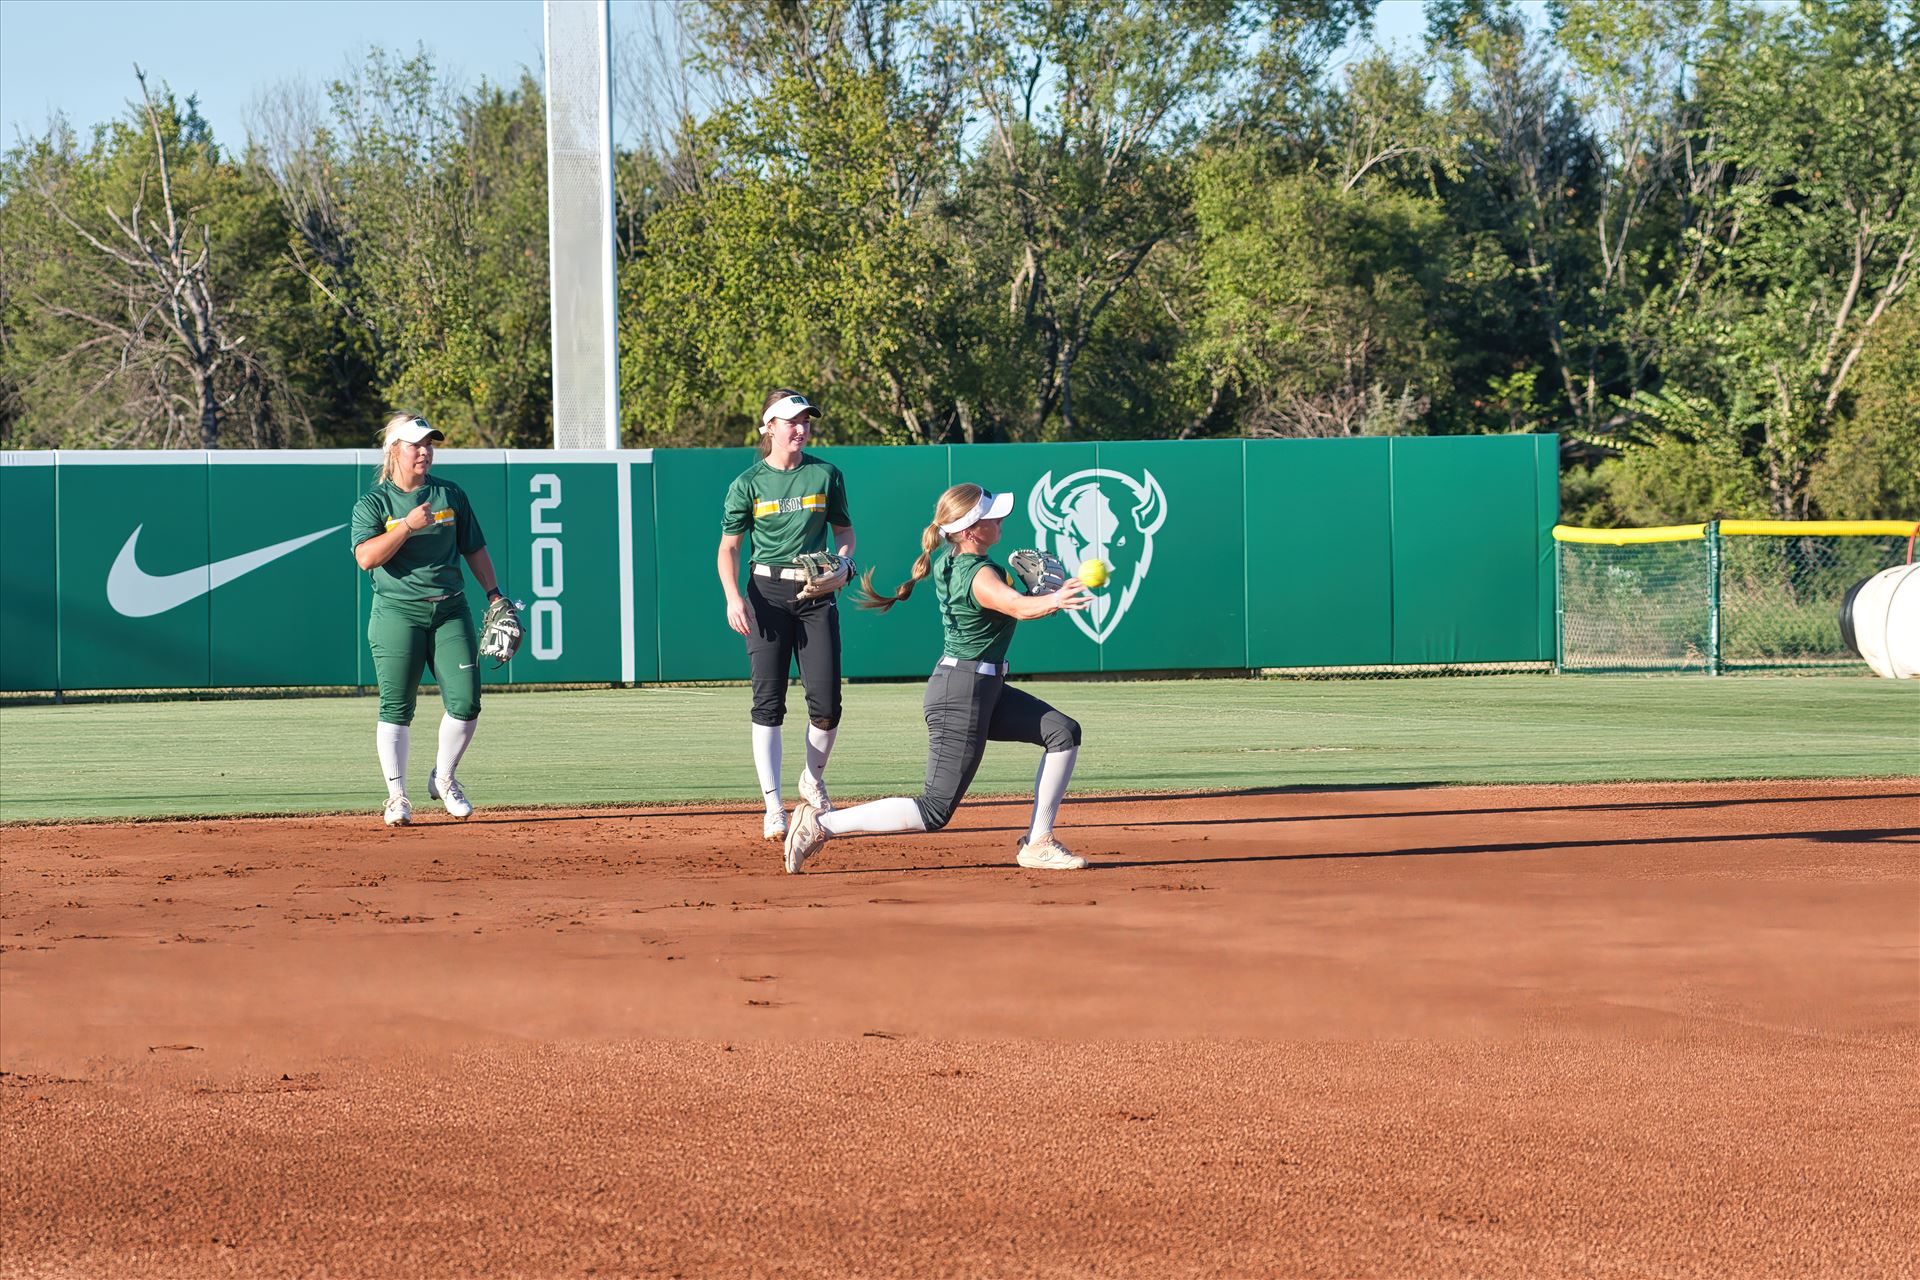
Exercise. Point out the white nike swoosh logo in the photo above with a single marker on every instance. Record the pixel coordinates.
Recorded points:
(135, 593)
(466, 666)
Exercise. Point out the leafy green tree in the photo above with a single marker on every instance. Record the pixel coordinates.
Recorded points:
(421, 220)
(326, 340)
(1521, 189)
(808, 250)
(1811, 237)
(140, 298)
(1677, 463)
(1091, 110)
(1683, 235)
(1871, 467)
(1317, 298)
(1630, 66)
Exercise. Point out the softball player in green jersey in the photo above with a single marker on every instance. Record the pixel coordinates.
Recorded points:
(969, 702)
(410, 532)
(789, 503)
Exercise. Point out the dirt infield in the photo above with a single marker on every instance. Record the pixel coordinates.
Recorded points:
(1621, 1031)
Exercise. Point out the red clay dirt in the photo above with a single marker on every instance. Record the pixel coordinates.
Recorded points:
(1654, 1030)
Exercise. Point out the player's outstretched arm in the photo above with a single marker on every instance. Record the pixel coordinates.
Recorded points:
(992, 591)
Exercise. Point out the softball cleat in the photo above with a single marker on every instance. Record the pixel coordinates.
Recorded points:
(1048, 855)
(450, 794)
(814, 791)
(399, 811)
(774, 825)
(804, 837)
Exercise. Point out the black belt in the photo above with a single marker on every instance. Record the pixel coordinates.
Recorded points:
(774, 571)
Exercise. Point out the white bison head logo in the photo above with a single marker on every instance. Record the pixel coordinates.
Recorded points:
(1104, 514)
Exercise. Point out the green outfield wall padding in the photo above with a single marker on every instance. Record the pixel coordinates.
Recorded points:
(890, 490)
(135, 571)
(29, 583)
(1172, 518)
(695, 641)
(560, 531)
(1320, 553)
(233, 569)
(1468, 533)
(1546, 507)
(644, 572)
(297, 612)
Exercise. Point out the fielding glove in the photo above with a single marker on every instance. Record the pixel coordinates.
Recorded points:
(826, 573)
(1037, 573)
(500, 631)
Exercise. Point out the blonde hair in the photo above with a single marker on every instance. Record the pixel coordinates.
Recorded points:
(387, 463)
(953, 505)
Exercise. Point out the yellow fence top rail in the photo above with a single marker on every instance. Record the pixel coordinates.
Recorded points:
(1820, 528)
(1621, 537)
(1740, 528)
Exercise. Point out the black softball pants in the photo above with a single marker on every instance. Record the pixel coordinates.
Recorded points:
(786, 628)
(967, 709)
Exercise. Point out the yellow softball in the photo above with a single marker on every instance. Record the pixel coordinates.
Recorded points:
(1093, 573)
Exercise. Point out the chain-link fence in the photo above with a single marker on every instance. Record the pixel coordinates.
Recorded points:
(1729, 596)
(1643, 606)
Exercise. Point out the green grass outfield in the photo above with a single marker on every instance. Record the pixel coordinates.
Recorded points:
(660, 744)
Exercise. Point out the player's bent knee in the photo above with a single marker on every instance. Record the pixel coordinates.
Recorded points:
(937, 811)
(1060, 732)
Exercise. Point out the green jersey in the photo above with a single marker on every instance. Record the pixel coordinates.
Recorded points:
(788, 512)
(973, 632)
(428, 562)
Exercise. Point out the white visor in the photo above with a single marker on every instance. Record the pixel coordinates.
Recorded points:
(992, 506)
(413, 431)
(790, 408)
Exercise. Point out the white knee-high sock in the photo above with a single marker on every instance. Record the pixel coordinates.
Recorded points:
(819, 747)
(454, 737)
(766, 762)
(876, 817)
(1049, 788)
(391, 741)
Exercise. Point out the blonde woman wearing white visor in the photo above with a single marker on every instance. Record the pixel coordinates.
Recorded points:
(787, 504)
(968, 702)
(410, 532)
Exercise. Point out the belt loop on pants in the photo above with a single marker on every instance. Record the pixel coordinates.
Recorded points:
(772, 571)
(984, 668)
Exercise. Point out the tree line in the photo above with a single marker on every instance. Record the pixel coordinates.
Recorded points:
(1681, 234)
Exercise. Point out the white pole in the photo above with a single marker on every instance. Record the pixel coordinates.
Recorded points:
(580, 226)
(609, 279)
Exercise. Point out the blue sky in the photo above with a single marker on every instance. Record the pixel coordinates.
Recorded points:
(77, 56)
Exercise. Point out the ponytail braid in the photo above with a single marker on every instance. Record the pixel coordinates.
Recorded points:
(930, 540)
(953, 505)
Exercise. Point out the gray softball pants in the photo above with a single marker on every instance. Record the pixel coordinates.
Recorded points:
(965, 711)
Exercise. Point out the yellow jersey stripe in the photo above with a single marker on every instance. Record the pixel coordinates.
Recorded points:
(439, 517)
(773, 506)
